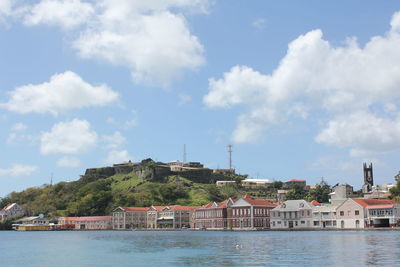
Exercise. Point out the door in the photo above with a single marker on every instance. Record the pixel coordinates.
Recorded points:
(290, 224)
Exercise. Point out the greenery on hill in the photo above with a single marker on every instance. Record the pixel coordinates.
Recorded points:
(94, 195)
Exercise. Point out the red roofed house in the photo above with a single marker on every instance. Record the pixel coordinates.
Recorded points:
(362, 213)
(10, 211)
(249, 213)
(214, 216)
(85, 223)
(129, 218)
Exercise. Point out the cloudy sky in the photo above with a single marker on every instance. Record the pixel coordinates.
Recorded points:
(302, 89)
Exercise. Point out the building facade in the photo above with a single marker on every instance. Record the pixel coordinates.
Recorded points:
(85, 223)
(292, 214)
(11, 211)
(250, 214)
(214, 216)
(129, 218)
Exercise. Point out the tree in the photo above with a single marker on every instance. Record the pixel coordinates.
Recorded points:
(320, 193)
(277, 185)
(297, 192)
(395, 192)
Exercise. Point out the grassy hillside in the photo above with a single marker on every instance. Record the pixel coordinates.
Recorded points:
(91, 195)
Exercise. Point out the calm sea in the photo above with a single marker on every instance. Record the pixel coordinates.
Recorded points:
(203, 248)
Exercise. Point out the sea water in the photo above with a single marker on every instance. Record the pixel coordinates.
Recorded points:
(200, 248)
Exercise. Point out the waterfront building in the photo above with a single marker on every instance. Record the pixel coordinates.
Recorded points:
(362, 213)
(176, 217)
(85, 223)
(324, 215)
(10, 211)
(292, 214)
(152, 216)
(32, 223)
(214, 216)
(129, 218)
(250, 214)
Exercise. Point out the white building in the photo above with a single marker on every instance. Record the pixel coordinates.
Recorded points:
(294, 214)
(10, 211)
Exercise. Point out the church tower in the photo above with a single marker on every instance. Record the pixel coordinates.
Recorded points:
(368, 178)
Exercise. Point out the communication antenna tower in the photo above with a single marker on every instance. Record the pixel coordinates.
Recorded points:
(230, 156)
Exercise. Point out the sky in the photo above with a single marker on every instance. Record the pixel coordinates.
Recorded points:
(301, 89)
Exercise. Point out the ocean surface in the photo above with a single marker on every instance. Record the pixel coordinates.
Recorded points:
(200, 248)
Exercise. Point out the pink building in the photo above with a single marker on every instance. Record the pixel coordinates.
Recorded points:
(85, 223)
(363, 213)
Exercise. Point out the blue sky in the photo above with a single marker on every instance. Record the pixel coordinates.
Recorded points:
(302, 89)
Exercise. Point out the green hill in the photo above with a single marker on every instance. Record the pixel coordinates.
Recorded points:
(100, 190)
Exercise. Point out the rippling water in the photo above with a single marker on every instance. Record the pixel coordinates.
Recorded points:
(203, 248)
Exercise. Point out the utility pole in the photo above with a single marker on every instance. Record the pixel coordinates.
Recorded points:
(230, 156)
(184, 153)
(51, 180)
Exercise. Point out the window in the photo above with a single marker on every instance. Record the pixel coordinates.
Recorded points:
(316, 223)
(356, 212)
(341, 213)
(296, 223)
(302, 222)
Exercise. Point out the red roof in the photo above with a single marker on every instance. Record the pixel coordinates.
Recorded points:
(89, 218)
(158, 208)
(179, 207)
(8, 206)
(295, 180)
(258, 202)
(315, 203)
(134, 208)
(364, 202)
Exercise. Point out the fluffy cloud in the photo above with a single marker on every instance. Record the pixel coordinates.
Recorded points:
(117, 156)
(18, 170)
(71, 137)
(152, 38)
(362, 132)
(68, 162)
(315, 76)
(64, 91)
(65, 13)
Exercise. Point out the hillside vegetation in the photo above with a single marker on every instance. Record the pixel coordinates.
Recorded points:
(98, 195)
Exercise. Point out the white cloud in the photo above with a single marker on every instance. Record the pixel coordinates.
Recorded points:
(64, 91)
(152, 38)
(315, 76)
(18, 170)
(68, 162)
(259, 23)
(117, 156)
(64, 13)
(155, 43)
(71, 137)
(18, 127)
(114, 141)
(363, 133)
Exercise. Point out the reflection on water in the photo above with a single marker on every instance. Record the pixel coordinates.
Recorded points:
(205, 248)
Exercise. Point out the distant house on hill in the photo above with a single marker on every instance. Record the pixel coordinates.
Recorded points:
(10, 211)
